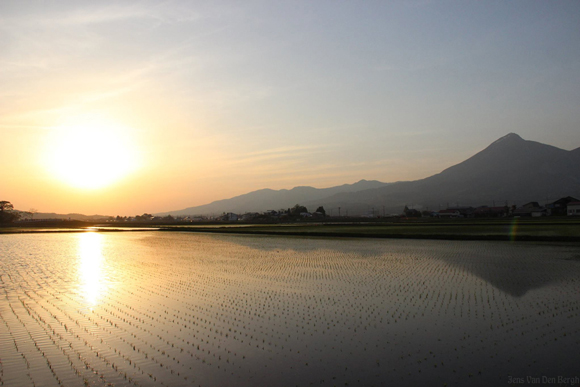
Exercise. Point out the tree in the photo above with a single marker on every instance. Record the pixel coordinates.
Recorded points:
(6, 206)
(321, 210)
(144, 217)
(297, 210)
(411, 213)
(7, 213)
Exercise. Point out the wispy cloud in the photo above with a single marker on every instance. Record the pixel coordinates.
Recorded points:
(99, 13)
(59, 47)
(278, 154)
(80, 102)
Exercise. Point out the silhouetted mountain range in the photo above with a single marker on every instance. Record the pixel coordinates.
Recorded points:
(511, 170)
(269, 199)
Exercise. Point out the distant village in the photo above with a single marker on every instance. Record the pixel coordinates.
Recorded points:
(567, 206)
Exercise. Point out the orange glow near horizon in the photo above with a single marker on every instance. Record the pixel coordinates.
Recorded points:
(90, 156)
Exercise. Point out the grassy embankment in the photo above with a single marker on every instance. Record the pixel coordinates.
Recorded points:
(544, 229)
(555, 229)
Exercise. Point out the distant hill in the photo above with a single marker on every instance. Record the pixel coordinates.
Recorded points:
(52, 215)
(268, 199)
(511, 170)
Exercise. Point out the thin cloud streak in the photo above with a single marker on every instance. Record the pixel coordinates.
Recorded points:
(278, 153)
(99, 14)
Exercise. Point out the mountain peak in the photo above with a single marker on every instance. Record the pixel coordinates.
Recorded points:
(510, 137)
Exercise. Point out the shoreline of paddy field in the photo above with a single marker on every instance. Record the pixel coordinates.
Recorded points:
(513, 230)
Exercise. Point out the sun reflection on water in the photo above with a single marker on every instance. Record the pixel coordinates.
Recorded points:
(90, 254)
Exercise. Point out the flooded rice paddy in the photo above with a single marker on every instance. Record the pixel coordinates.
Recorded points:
(183, 309)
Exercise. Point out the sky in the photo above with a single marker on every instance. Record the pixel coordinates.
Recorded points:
(121, 108)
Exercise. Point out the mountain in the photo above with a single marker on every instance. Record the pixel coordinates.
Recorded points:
(511, 170)
(269, 199)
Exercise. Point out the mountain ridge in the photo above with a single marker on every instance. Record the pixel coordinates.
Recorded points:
(510, 169)
(256, 201)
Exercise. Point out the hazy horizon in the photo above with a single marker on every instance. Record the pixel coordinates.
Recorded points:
(139, 107)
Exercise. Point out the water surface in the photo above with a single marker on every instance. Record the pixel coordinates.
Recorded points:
(175, 309)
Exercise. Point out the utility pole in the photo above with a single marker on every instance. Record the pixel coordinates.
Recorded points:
(339, 212)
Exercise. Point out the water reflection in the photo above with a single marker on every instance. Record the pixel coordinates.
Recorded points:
(517, 276)
(515, 269)
(90, 266)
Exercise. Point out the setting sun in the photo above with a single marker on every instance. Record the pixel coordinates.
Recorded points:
(90, 156)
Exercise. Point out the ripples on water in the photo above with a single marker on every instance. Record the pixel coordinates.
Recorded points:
(175, 309)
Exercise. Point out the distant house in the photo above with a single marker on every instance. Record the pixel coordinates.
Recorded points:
(573, 208)
(457, 212)
(539, 212)
(464, 211)
(229, 217)
(449, 213)
(532, 209)
(559, 206)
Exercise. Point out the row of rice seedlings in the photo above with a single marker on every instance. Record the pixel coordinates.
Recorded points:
(474, 299)
(85, 329)
(120, 332)
(18, 364)
(78, 345)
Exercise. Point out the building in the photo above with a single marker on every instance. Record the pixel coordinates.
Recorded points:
(229, 217)
(532, 209)
(449, 213)
(457, 212)
(559, 206)
(573, 209)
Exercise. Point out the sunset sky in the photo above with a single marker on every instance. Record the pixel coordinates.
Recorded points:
(131, 107)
